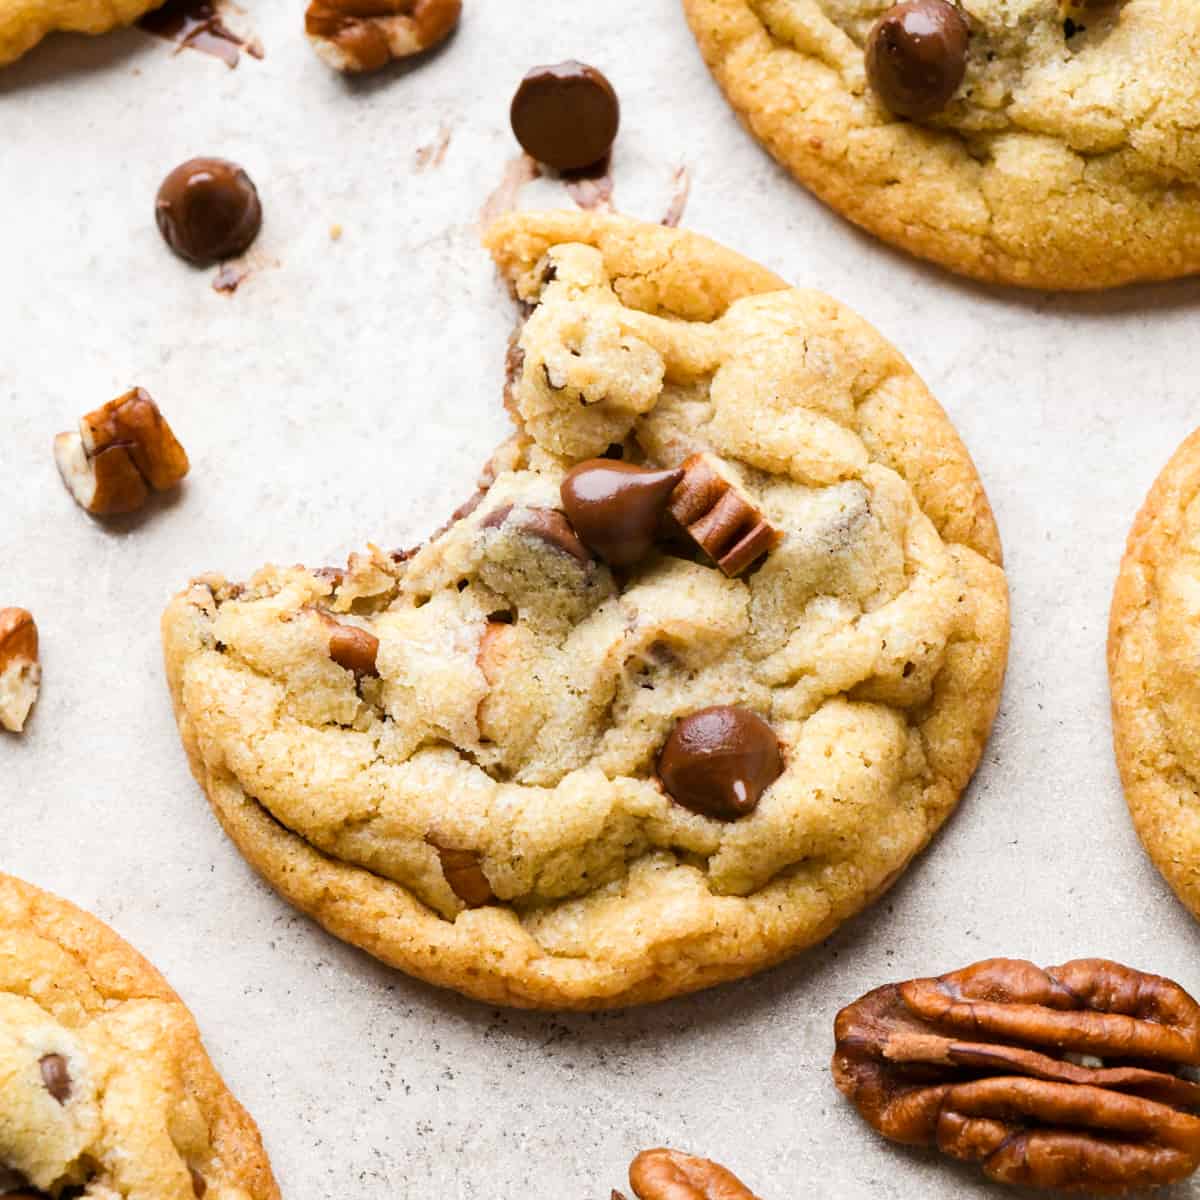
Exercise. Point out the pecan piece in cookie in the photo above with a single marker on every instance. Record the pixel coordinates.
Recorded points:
(986, 1063)
(20, 671)
(364, 35)
(670, 1175)
(122, 451)
(719, 516)
(464, 875)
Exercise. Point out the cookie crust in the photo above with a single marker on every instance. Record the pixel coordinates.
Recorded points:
(1151, 663)
(659, 932)
(65, 975)
(23, 23)
(1076, 168)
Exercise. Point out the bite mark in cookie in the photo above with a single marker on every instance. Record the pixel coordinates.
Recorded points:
(530, 799)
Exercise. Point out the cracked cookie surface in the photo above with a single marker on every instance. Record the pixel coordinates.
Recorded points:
(105, 1089)
(1153, 649)
(1068, 157)
(23, 23)
(449, 757)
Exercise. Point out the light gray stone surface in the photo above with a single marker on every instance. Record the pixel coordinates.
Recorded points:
(349, 391)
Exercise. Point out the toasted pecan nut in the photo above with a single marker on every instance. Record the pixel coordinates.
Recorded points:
(20, 672)
(719, 517)
(364, 35)
(122, 451)
(464, 874)
(353, 648)
(670, 1175)
(988, 1064)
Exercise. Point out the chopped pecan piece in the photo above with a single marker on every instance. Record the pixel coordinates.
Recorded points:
(670, 1175)
(719, 517)
(464, 875)
(987, 1064)
(20, 671)
(364, 35)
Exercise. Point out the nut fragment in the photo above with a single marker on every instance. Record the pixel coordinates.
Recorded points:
(354, 648)
(122, 451)
(719, 517)
(364, 35)
(464, 875)
(20, 672)
(984, 1063)
(670, 1175)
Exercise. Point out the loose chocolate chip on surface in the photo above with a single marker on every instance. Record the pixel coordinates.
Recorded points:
(208, 209)
(719, 761)
(917, 56)
(566, 115)
(355, 649)
(616, 507)
(56, 1077)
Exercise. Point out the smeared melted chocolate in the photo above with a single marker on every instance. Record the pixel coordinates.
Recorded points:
(197, 25)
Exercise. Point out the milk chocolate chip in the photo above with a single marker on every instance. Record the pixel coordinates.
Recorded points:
(719, 761)
(917, 56)
(56, 1077)
(208, 209)
(546, 524)
(616, 507)
(566, 115)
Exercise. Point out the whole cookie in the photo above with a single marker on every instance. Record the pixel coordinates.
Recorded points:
(105, 1088)
(23, 23)
(573, 766)
(1044, 143)
(1153, 651)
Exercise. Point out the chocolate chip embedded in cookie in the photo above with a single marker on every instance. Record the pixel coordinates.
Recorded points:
(719, 517)
(1070, 1077)
(719, 761)
(1042, 146)
(557, 757)
(917, 56)
(617, 508)
(1153, 652)
(20, 670)
(104, 1083)
(363, 35)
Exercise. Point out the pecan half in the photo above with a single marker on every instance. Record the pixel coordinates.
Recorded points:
(364, 35)
(719, 517)
(1068, 1077)
(122, 451)
(670, 1175)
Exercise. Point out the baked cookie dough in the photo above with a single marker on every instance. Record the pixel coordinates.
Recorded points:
(1068, 156)
(1153, 652)
(23, 23)
(452, 757)
(105, 1089)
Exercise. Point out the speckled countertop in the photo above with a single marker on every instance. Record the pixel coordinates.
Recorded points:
(349, 391)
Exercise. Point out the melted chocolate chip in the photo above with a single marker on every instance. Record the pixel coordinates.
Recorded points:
(208, 209)
(566, 115)
(616, 507)
(355, 649)
(13, 1183)
(546, 524)
(56, 1077)
(719, 761)
(917, 55)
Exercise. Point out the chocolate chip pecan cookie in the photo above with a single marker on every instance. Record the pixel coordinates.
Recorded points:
(1153, 651)
(105, 1088)
(1045, 143)
(705, 662)
(23, 23)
